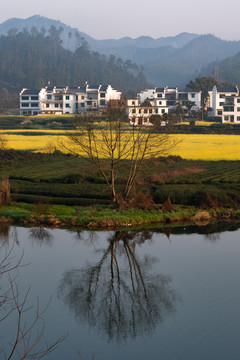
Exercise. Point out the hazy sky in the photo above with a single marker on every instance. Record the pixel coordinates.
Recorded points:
(106, 19)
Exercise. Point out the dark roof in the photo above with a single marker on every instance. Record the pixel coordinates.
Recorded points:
(159, 89)
(227, 89)
(82, 89)
(103, 87)
(72, 90)
(93, 87)
(31, 92)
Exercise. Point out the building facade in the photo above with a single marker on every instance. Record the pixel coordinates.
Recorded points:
(67, 100)
(159, 101)
(224, 103)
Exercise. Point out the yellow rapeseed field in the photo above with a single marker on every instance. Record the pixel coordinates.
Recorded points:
(205, 147)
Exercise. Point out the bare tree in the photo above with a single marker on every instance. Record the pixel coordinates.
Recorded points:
(27, 337)
(114, 144)
(120, 294)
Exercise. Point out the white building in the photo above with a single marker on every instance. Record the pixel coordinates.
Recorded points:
(67, 100)
(159, 101)
(171, 96)
(139, 114)
(224, 102)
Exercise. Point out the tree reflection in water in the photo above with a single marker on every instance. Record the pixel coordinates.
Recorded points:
(4, 232)
(41, 236)
(120, 295)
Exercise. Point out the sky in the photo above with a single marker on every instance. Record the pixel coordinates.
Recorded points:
(107, 19)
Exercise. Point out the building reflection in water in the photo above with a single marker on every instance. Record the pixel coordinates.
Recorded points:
(120, 294)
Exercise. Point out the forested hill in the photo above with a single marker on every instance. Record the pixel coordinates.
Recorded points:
(227, 70)
(32, 59)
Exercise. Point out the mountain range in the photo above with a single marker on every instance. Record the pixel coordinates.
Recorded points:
(172, 60)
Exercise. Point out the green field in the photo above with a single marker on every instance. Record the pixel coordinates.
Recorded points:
(64, 179)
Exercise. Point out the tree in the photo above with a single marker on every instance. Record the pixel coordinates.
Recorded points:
(114, 145)
(189, 104)
(26, 340)
(203, 84)
(120, 295)
(179, 111)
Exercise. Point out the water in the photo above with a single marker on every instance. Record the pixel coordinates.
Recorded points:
(130, 295)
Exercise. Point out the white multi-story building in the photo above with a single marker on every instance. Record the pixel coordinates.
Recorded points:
(224, 102)
(140, 113)
(171, 96)
(67, 100)
(158, 101)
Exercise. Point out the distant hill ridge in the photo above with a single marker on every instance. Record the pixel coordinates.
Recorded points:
(171, 60)
(96, 45)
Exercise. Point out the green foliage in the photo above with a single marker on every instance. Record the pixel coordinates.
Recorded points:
(203, 84)
(32, 59)
(44, 178)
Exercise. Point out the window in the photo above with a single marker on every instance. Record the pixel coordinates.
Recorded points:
(222, 96)
(82, 104)
(102, 95)
(229, 108)
(193, 96)
(238, 118)
(140, 111)
(68, 106)
(226, 118)
(89, 103)
(160, 103)
(159, 95)
(25, 98)
(47, 105)
(34, 97)
(102, 102)
(163, 111)
(25, 104)
(133, 111)
(150, 111)
(34, 104)
(238, 109)
(56, 105)
(219, 112)
(221, 103)
(156, 111)
(82, 97)
(145, 111)
(238, 100)
(67, 97)
(49, 97)
(133, 102)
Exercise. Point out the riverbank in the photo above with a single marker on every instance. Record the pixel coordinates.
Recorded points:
(107, 217)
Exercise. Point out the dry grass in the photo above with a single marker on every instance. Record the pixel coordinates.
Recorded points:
(5, 196)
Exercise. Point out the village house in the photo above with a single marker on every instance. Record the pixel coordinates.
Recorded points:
(159, 101)
(224, 103)
(67, 100)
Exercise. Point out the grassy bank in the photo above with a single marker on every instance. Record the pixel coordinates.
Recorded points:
(106, 217)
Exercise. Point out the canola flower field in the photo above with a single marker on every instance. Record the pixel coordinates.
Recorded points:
(194, 147)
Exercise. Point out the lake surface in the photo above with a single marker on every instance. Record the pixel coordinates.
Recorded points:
(133, 294)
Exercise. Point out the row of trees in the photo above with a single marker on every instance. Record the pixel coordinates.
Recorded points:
(31, 59)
